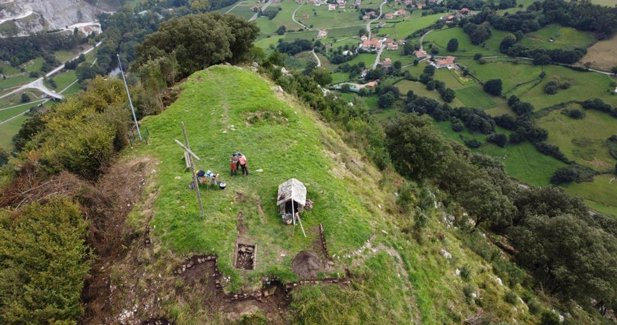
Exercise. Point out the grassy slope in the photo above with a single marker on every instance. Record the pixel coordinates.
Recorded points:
(401, 283)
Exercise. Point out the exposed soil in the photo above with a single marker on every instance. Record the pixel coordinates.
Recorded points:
(245, 256)
(306, 265)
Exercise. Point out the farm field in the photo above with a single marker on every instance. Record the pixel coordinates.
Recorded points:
(523, 80)
(582, 140)
(558, 37)
(521, 161)
(401, 29)
(475, 97)
(601, 55)
(420, 90)
(599, 194)
(441, 37)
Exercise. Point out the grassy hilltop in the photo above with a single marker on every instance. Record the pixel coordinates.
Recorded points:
(227, 109)
(395, 279)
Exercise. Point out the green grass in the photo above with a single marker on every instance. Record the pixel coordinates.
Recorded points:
(522, 161)
(14, 81)
(557, 37)
(608, 3)
(367, 58)
(475, 97)
(420, 90)
(243, 10)
(522, 80)
(327, 19)
(63, 79)
(582, 140)
(599, 194)
(34, 65)
(282, 151)
(402, 29)
(8, 130)
(441, 38)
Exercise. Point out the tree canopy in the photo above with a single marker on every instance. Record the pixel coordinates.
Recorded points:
(198, 41)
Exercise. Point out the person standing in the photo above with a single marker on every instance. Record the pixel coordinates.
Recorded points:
(242, 161)
(233, 164)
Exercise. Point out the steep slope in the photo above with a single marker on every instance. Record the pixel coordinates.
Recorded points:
(24, 17)
(378, 270)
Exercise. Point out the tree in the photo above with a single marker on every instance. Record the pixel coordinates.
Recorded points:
(322, 76)
(493, 87)
(386, 100)
(448, 95)
(568, 256)
(281, 30)
(551, 88)
(4, 157)
(498, 139)
(507, 42)
(417, 150)
(614, 70)
(564, 176)
(44, 263)
(484, 203)
(452, 45)
(198, 41)
(25, 98)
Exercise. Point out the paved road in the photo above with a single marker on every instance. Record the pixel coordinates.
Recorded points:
(316, 58)
(234, 7)
(368, 25)
(262, 9)
(38, 83)
(378, 56)
(293, 17)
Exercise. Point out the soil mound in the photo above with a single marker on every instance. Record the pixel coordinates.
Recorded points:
(306, 265)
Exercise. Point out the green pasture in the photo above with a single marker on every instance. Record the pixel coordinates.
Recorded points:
(321, 17)
(62, 79)
(9, 129)
(420, 89)
(582, 140)
(14, 81)
(558, 37)
(402, 29)
(440, 38)
(367, 58)
(34, 65)
(522, 161)
(244, 10)
(475, 97)
(283, 18)
(599, 194)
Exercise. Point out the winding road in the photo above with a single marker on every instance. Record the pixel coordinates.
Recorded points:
(368, 25)
(316, 58)
(293, 17)
(40, 86)
(422, 39)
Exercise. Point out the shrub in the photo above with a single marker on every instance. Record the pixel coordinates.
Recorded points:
(465, 272)
(576, 114)
(493, 87)
(498, 139)
(473, 143)
(549, 318)
(551, 88)
(511, 298)
(44, 263)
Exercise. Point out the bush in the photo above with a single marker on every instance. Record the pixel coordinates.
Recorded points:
(549, 318)
(25, 98)
(576, 114)
(498, 139)
(473, 143)
(452, 45)
(465, 273)
(511, 298)
(564, 176)
(493, 87)
(44, 263)
(551, 88)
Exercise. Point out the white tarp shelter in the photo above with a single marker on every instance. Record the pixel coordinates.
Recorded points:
(291, 192)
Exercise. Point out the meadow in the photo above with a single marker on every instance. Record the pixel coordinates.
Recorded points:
(582, 140)
(558, 37)
(440, 39)
(599, 194)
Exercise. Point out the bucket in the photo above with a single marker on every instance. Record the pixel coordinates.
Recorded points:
(222, 185)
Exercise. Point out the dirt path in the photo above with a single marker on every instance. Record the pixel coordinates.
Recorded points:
(293, 17)
(378, 56)
(316, 58)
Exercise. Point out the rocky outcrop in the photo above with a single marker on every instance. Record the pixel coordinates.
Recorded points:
(24, 17)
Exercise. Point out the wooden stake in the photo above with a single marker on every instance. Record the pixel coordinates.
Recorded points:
(195, 181)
